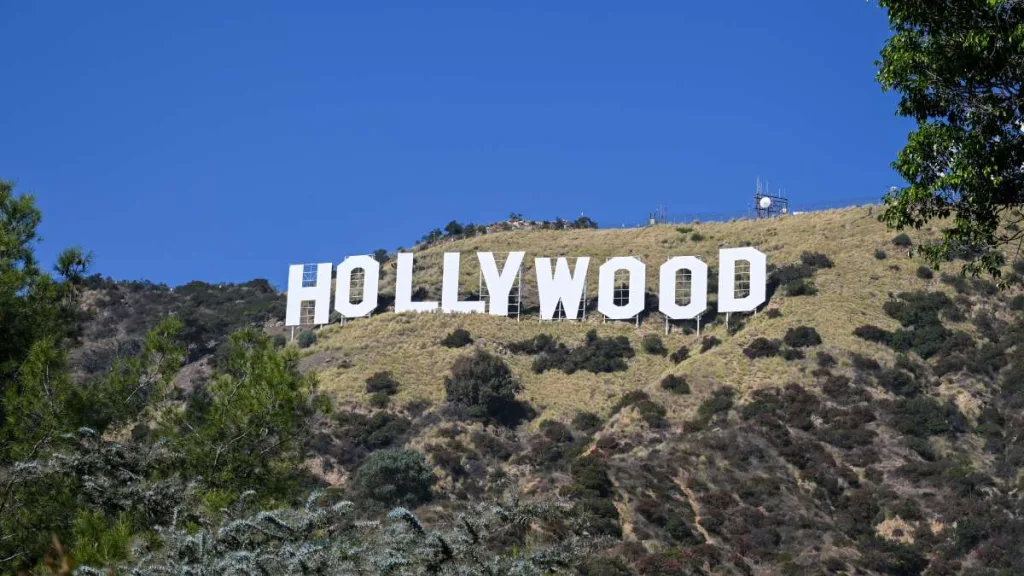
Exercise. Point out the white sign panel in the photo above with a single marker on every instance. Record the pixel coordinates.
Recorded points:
(311, 284)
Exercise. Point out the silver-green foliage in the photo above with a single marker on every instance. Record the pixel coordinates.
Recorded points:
(326, 537)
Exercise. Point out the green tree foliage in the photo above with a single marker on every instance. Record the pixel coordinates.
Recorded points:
(802, 336)
(483, 383)
(39, 319)
(652, 344)
(958, 66)
(307, 338)
(245, 428)
(395, 477)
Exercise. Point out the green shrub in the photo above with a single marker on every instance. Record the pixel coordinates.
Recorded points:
(862, 363)
(382, 382)
(801, 337)
(1017, 303)
(596, 355)
(307, 338)
(97, 542)
(360, 433)
(720, 401)
(708, 343)
(587, 422)
(457, 339)
(380, 400)
(825, 360)
(801, 288)
(538, 344)
(653, 345)
(629, 399)
(773, 313)
(791, 273)
(880, 254)
(280, 341)
(793, 354)
(482, 383)
(898, 382)
(696, 237)
(925, 273)
(762, 348)
(921, 416)
(395, 478)
(555, 431)
(873, 333)
(675, 384)
(902, 240)
(815, 260)
(652, 413)
(917, 308)
(679, 355)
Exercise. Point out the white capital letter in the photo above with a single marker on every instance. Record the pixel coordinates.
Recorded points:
(563, 285)
(301, 288)
(450, 288)
(403, 288)
(727, 301)
(698, 288)
(342, 296)
(499, 285)
(606, 288)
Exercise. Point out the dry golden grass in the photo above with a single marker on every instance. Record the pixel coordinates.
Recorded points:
(850, 294)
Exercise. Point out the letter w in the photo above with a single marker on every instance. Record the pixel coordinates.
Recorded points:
(563, 286)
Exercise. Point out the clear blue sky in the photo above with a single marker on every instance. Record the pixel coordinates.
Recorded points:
(222, 141)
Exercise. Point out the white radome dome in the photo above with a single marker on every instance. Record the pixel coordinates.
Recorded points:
(765, 203)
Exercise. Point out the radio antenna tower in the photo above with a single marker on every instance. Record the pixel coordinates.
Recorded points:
(767, 205)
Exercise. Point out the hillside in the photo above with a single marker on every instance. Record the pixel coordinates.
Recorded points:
(831, 457)
(869, 419)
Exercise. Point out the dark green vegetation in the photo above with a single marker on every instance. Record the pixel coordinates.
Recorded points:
(904, 458)
(106, 463)
(596, 354)
(457, 339)
(958, 67)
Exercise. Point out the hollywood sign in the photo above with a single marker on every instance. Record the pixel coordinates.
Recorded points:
(554, 285)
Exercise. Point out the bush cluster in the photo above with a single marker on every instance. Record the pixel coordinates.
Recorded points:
(816, 260)
(457, 339)
(902, 240)
(801, 337)
(307, 338)
(381, 386)
(679, 355)
(596, 355)
(395, 478)
(482, 383)
(762, 348)
(652, 344)
(652, 412)
(675, 384)
(709, 342)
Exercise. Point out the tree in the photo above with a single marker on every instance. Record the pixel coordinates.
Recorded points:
(958, 67)
(39, 319)
(453, 229)
(483, 383)
(246, 428)
(395, 477)
(584, 222)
